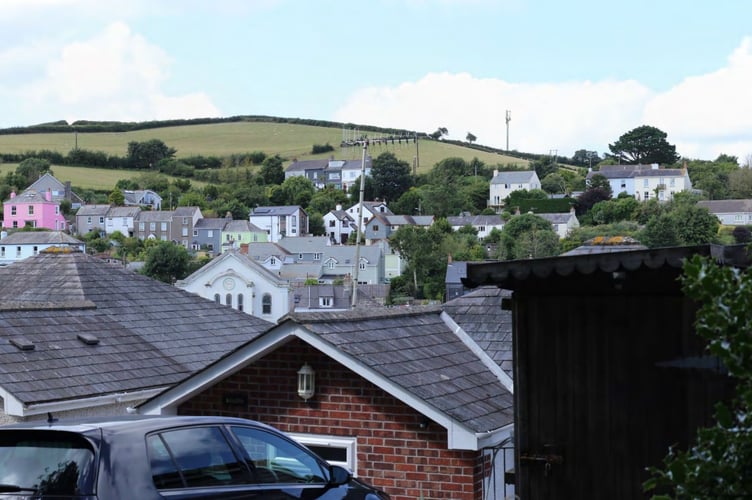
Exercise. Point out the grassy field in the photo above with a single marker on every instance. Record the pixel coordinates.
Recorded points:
(290, 141)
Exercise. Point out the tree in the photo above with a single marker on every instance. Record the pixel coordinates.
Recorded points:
(418, 246)
(554, 183)
(166, 262)
(327, 199)
(147, 154)
(117, 198)
(740, 183)
(717, 464)
(31, 169)
(272, 171)
(644, 144)
(585, 158)
(439, 133)
(518, 243)
(470, 138)
(391, 176)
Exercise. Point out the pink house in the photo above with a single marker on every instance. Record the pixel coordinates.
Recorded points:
(34, 209)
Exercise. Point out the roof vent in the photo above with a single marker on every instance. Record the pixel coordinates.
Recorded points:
(22, 343)
(88, 339)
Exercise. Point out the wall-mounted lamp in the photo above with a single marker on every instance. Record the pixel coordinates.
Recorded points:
(306, 382)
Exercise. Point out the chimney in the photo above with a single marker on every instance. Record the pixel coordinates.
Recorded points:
(48, 195)
(68, 190)
(654, 166)
(496, 172)
(449, 258)
(12, 194)
(339, 206)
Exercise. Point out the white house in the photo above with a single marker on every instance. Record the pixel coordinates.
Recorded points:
(563, 223)
(484, 224)
(730, 212)
(370, 208)
(339, 225)
(235, 280)
(280, 222)
(22, 245)
(121, 219)
(644, 182)
(503, 183)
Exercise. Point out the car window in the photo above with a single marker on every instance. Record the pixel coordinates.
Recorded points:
(276, 460)
(191, 457)
(51, 463)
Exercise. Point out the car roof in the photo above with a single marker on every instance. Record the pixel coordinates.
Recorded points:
(126, 423)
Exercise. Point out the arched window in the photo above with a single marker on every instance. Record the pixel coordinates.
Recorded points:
(240, 302)
(266, 304)
(228, 299)
(216, 298)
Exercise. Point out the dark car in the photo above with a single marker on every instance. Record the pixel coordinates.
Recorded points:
(166, 457)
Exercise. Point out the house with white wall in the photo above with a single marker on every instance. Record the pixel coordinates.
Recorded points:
(239, 282)
(280, 222)
(484, 224)
(339, 225)
(504, 183)
(21, 245)
(730, 212)
(644, 182)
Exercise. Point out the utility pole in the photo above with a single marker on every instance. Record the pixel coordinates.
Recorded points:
(509, 119)
(356, 271)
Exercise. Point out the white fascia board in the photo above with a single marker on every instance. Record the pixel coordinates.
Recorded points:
(496, 437)
(14, 407)
(466, 339)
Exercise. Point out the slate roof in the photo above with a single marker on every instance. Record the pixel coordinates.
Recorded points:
(211, 223)
(155, 215)
(557, 217)
(631, 171)
(303, 165)
(476, 220)
(513, 177)
(50, 182)
(150, 334)
(415, 349)
(275, 211)
(39, 238)
(86, 210)
(726, 206)
(479, 313)
(242, 226)
(124, 212)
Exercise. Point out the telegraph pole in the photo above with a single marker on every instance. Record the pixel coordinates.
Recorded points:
(356, 271)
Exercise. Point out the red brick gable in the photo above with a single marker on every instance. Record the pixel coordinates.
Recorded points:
(393, 452)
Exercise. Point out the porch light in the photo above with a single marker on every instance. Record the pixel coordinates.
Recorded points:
(306, 382)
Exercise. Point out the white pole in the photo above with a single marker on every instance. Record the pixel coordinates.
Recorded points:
(360, 223)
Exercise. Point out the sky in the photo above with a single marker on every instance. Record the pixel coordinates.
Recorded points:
(570, 75)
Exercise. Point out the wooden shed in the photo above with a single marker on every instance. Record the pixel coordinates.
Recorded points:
(608, 370)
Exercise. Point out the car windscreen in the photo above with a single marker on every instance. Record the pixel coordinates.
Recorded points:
(46, 462)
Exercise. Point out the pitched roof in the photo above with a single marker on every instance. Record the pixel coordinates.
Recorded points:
(480, 314)
(123, 212)
(303, 165)
(726, 206)
(476, 220)
(86, 210)
(275, 211)
(415, 354)
(242, 226)
(50, 182)
(631, 171)
(155, 215)
(40, 238)
(557, 217)
(150, 334)
(211, 223)
(29, 196)
(513, 177)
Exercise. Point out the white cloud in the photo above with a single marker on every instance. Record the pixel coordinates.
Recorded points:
(704, 116)
(709, 114)
(116, 75)
(544, 117)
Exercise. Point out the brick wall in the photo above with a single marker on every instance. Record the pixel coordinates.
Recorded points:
(393, 452)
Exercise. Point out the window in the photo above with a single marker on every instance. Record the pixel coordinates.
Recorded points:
(300, 256)
(13, 210)
(35, 250)
(362, 265)
(645, 182)
(273, 261)
(330, 264)
(152, 226)
(2, 251)
(210, 233)
(335, 450)
(109, 221)
(101, 220)
(332, 223)
(177, 460)
(163, 226)
(186, 220)
(88, 220)
(185, 231)
(141, 226)
(647, 195)
(317, 256)
(15, 223)
(228, 299)
(18, 251)
(31, 209)
(738, 218)
(57, 209)
(216, 298)
(195, 233)
(325, 301)
(266, 304)
(240, 302)
(375, 227)
(276, 460)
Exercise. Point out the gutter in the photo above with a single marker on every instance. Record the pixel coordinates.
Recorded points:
(14, 407)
